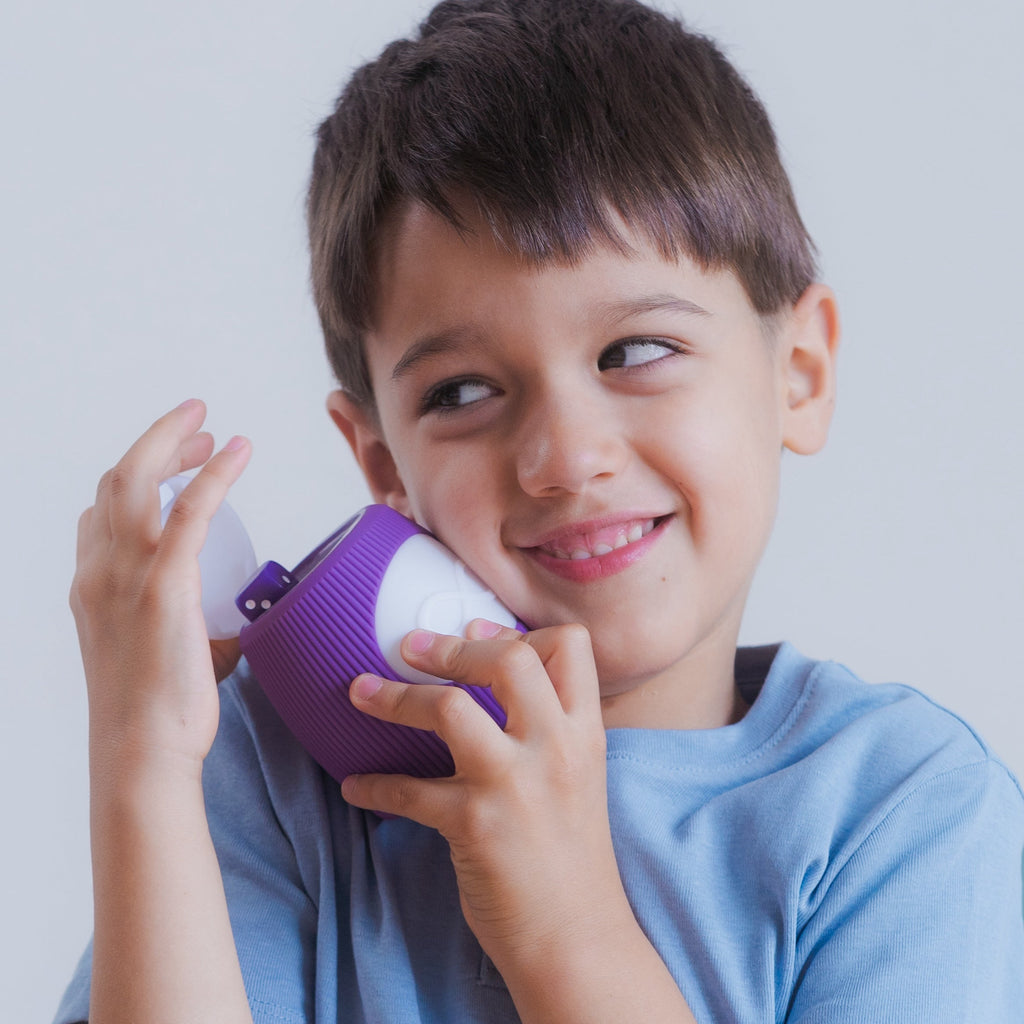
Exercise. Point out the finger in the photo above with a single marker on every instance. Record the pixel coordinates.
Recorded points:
(567, 654)
(137, 510)
(510, 667)
(83, 546)
(188, 521)
(485, 629)
(127, 505)
(193, 452)
(127, 496)
(92, 541)
(226, 655)
(86, 530)
(449, 711)
(426, 801)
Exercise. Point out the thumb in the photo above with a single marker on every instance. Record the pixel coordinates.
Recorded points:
(225, 655)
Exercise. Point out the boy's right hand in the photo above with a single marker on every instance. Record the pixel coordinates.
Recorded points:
(136, 597)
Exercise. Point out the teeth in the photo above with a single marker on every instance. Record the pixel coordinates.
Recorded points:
(636, 532)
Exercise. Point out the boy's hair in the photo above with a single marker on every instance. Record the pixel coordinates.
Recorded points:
(551, 117)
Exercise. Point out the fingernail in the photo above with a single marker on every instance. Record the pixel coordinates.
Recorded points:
(234, 444)
(188, 402)
(365, 686)
(484, 628)
(419, 640)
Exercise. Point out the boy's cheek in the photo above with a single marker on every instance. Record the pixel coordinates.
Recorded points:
(448, 499)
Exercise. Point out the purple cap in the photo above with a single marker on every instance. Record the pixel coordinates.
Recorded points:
(313, 630)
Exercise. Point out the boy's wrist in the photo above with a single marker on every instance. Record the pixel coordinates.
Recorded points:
(134, 732)
(595, 962)
(139, 761)
(134, 804)
(557, 921)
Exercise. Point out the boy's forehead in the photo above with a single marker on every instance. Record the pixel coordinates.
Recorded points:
(450, 301)
(630, 276)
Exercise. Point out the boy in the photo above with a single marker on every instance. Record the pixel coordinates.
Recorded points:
(572, 308)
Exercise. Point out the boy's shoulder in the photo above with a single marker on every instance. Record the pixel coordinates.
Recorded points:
(890, 723)
(822, 834)
(861, 759)
(816, 737)
(830, 789)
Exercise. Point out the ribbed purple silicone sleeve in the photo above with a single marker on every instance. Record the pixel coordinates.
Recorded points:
(307, 649)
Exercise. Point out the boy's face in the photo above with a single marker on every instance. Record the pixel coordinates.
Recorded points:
(599, 442)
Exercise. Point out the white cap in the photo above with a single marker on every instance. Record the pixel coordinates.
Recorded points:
(225, 563)
(425, 586)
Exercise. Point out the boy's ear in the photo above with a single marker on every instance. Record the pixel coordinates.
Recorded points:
(809, 346)
(363, 433)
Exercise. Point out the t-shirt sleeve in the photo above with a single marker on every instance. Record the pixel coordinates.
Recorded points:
(258, 786)
(924, 922)
(74, 1004)
(253, 778)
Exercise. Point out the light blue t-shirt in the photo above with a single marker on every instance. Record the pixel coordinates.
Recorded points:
(845, 853)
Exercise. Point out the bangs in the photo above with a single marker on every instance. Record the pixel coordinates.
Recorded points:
(560, 121)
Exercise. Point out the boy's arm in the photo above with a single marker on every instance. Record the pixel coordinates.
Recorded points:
(163, 948)
(526, 818)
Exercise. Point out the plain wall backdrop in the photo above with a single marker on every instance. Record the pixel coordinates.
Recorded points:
(154, 164)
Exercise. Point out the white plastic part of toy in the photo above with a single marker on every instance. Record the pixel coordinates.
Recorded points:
(226, 562)
(425, 586)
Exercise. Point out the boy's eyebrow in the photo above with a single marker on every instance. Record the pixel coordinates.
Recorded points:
(662, 302)
(430, 345)
(443, 341)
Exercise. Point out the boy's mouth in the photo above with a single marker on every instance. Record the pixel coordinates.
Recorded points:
(594, 543)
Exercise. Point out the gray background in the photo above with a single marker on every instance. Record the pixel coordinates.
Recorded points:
(154, 164)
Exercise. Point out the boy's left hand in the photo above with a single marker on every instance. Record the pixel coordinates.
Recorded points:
(525, 813)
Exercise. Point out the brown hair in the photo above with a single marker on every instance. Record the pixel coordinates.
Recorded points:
(548, 114)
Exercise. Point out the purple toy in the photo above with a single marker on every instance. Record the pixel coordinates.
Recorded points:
(343, 610)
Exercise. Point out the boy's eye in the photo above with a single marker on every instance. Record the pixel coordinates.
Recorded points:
(635, 352)
(455, 394)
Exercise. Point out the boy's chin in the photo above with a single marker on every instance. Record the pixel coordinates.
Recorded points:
(620, 674)
(668, 659)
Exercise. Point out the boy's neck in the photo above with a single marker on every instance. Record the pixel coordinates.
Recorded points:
(699, 693)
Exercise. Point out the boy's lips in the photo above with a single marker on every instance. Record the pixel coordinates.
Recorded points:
(600, 548)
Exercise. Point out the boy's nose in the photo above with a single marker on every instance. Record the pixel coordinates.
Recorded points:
(564, 446)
